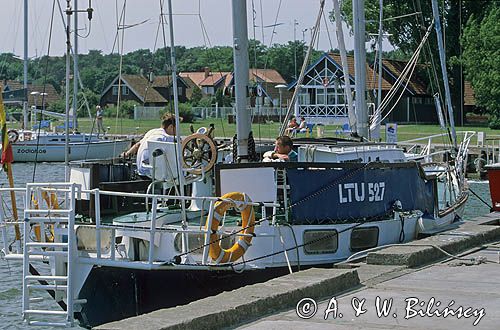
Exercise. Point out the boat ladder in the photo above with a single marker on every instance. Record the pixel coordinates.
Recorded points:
(58, 247)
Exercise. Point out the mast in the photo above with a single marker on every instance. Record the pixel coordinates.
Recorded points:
(358, 10)
(240, 51)
(68, 50)
(345, 66)
(75, 65)
(375, 133)
(177, 120)
(442, 58)
(25, 73)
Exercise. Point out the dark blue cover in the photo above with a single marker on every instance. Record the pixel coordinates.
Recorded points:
(329, 194)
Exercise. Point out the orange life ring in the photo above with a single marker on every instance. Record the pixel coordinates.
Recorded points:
(216, 252)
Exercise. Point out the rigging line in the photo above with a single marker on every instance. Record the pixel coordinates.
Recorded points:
(210, 53)
(401, 95)
(149, 79)
(328, 186)
(302, 70)
(254, 70)
(328, 31)
(44, 87)
(118, 20)
(402, 16)
(176, 145)
(120, 68)
(480, 198)
(35, 19)
(393, 91)
(410, 66)
(80, 82)
(103, 32)
(14, 20)
(262, 22)
(84, 36)
(418, 7)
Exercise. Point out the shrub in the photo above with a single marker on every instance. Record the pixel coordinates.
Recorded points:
(184, 111)
(126, 110)
(494, 122)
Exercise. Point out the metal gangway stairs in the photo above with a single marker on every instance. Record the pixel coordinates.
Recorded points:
(49, 236)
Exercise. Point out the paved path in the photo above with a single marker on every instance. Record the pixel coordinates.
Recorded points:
(453, 284)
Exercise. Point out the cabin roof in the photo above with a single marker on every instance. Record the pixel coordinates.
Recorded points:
(395, 68)
(145, 90)
(205, 79)
(52, 94)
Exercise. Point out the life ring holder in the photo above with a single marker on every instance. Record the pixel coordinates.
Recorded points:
(13, 135)
(229, 200)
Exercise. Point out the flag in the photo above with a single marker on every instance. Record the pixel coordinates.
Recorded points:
(7, 156)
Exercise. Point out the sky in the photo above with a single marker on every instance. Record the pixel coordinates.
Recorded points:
(143, 17)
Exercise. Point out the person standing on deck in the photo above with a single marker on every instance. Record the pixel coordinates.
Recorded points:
(99, 114)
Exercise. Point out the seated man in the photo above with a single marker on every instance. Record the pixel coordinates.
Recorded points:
(165, 133)
(292, 127)
(283, 151)
(303, 125)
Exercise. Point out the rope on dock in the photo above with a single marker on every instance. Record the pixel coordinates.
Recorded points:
(481, 199)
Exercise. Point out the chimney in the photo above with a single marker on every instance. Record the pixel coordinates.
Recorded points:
(207, 72)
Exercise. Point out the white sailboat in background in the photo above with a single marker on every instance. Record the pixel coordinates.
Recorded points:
(38, 145)
(341, 198)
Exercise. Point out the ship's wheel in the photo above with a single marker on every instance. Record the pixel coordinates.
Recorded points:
(199, 152)
(12, 135)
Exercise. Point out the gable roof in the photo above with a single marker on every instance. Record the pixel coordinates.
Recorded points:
(267, 75)
(143, 89)
(201, 79)
(371, 76)
(395, 68)
(52, 94)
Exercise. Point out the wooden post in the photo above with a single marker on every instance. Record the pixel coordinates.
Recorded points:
(13, 201)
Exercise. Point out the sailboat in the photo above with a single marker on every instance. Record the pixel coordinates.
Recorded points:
(244, 222)
(38, 145)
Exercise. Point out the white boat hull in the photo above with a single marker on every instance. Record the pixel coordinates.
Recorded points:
(27, 152)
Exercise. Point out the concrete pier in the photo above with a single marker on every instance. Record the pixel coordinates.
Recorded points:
(412, 278)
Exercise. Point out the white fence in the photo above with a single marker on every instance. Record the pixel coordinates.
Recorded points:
(313, 113)
(147, 112)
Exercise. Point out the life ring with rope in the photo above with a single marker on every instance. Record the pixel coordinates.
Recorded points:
(13, 135)
(240, 202)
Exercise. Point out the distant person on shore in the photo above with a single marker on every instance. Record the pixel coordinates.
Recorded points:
(165, 133)
(99, 116)
(292, 126)
(283, 151)
(303, 125)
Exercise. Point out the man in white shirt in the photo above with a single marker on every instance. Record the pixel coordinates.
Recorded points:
(165, 133)
(99, 116)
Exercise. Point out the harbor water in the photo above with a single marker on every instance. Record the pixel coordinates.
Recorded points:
(10, 272)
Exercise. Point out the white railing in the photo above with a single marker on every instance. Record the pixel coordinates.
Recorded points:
(109, 258)
(224, 112)
(422, 147)
(141, 112)
(315, 110)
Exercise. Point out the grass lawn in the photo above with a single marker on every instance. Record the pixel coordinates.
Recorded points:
(223, 129)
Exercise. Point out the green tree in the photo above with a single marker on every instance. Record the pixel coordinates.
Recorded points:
(481, 57)
(406, 32)
(221, 99)
(196, 96)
